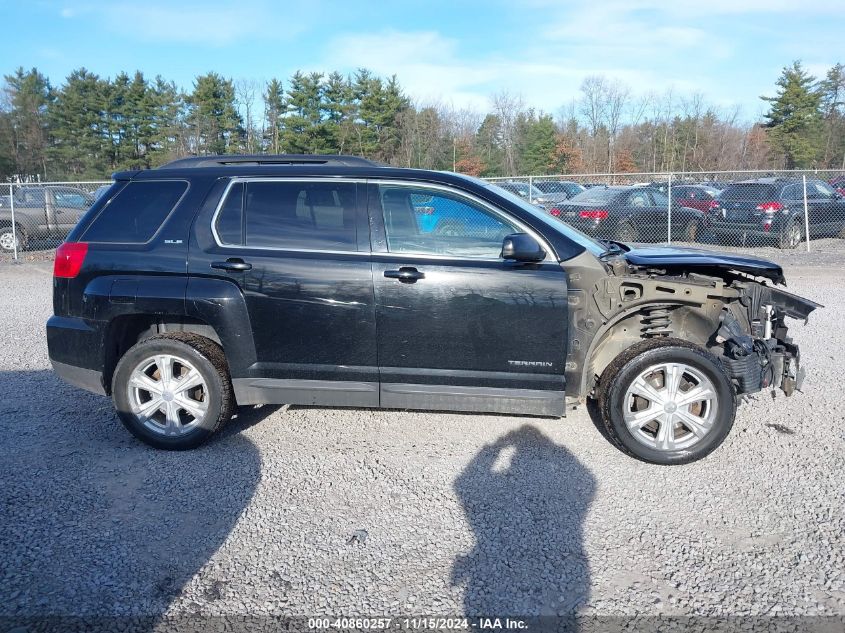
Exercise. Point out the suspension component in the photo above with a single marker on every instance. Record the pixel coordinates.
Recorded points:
(656, 322)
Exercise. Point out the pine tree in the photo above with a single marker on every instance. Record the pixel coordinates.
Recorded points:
(536, 143)
(794, 119)
(81, 147)
(212, 115)
(303, 133)
(30, 96)
(832, 95)
(274, 109)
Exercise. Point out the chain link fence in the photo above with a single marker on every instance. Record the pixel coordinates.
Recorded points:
(38, 216)
(742, 209)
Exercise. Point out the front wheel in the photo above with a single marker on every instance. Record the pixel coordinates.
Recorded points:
(173, 391)
(666, 402)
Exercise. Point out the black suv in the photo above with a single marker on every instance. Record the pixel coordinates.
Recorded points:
(215, 282)
(772, 209)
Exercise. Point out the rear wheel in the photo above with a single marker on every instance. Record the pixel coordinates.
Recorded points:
(666, 402)
(691, 231)
(626, 232)
(11, 240)
(791, 236)
(173, 391)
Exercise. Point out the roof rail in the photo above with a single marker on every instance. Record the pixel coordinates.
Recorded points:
(236, 160)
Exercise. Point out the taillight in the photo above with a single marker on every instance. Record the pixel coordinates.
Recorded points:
(593, 214)
(555, 212)
(770, 207)
(69, 258)
(713, 205)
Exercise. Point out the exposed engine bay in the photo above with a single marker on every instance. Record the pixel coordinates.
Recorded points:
(727, 305)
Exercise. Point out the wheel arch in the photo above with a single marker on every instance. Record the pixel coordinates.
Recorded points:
(639, 325)
(126, 330)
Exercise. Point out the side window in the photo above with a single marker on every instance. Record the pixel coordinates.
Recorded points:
(229, 225)
(433, 222)
(301, 215)
(821, 190)
(136, 212)
(660, 199)
(71, 199)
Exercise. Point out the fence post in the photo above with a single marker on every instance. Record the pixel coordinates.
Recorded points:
(669, 214)
(530, 187)
(14, 226)
(806, 215)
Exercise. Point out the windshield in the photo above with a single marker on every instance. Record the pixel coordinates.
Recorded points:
(594, 247)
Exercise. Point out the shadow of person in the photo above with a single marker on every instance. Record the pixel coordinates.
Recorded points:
(100, 528)
(525, 498)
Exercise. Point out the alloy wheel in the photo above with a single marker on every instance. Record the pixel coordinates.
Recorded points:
(168, 394)
(670, 406)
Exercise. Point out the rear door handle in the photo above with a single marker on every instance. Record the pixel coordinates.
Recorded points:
(406, 274)
(232, 263)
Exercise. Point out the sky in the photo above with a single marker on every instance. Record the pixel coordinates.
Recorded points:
(456, 53)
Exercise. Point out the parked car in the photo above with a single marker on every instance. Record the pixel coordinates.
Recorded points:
(566, 187)
(772, 210)
(698, 197)
(521, 189)
(838, 183)
(630, 214)
(41, 212)
(221, 281)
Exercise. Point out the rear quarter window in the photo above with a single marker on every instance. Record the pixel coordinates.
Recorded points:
(135, 213)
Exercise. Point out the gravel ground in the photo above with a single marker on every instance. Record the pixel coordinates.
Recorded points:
(341, 511)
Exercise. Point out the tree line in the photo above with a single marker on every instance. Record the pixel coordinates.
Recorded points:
(90, 126)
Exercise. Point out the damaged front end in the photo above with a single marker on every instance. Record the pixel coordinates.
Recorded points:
(758, 353)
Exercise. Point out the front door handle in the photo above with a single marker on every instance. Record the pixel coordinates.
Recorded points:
(406, 274)
(233, 263)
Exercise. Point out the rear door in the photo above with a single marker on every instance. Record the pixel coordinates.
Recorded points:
(298, 250)
(458, 327)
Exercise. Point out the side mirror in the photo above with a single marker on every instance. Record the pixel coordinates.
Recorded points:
(521, 247)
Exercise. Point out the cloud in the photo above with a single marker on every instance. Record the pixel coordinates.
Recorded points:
(213, 24)
(432, 68)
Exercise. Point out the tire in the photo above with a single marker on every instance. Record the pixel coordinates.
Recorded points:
(8, 237)
(186, 418)
(692, 231)
(626, 232)
(693, 430)
(791, 236)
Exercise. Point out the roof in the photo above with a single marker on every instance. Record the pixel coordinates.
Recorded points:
(226, 160)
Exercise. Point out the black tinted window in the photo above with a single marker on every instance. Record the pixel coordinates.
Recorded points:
(749, 191)
(229, 223)
(136, 213)
(301, 215)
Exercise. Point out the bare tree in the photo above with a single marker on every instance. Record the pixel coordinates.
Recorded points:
(508, 107)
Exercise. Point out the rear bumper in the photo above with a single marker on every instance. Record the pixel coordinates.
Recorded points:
(88, 379)
(75, 347)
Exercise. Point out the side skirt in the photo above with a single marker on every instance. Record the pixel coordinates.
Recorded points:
(477, 399)
(343, 393)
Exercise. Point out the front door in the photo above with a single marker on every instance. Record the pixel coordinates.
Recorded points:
(299, 251)
(458, 327)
